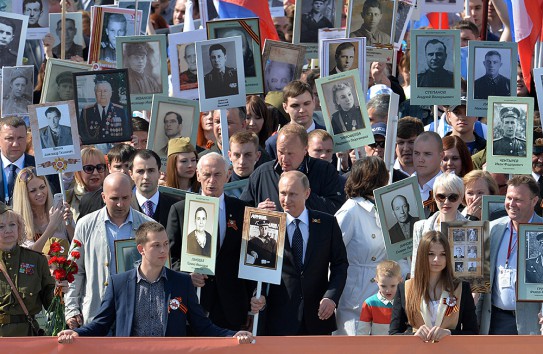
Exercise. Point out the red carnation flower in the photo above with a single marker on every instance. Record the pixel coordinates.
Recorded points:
(76, 254)
(77, 243)
(70, 278)
(55, 248)
(59, 274)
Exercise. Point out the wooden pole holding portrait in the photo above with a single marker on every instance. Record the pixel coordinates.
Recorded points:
(392, 131)
(63, 34)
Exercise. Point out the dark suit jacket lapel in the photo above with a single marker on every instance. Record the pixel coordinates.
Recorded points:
(130, 301)
(134, 203)
(2, 193)
(167, 296)
(313, 232)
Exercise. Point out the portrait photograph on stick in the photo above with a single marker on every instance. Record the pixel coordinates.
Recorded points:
(402, 15)
(38, 16)
(14, 27)
(401, 204)
(221, 75)
(199, 245)
(262, 245)
(340, 55)
(345, 116)
(102, 102)
(144, 6)
(282, 63)
(127, 256)
(312, 15)
(74, 41)
(436, 76)
(145, 59)
(529, 266)
(510, 127)
(371, 19)
(17, 88)
(58, 84)
(56, 137)
(249, 30)
(182, 53)
(493, 207)
(492, 71)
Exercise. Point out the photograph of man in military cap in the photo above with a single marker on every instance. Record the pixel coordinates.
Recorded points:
(54, 134)
(72, 36)
(534, 265)
(492, 83)
(17, 85)
(262, 247)
(221, 80)
(510, 124)
(65, 86)
(8, 57)
(137, 58)
(434, 73)
(319, 15)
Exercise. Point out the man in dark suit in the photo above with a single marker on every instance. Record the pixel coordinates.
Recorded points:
(13, 157)
(312, 281)
(145, 172)
(55, 134)
(224, 296)
(403, 229)
(7, 28)
(128, 289)
(104, 119)
(534, 266)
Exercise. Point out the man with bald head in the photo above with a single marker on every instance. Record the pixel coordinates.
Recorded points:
(97, 233)
(403, 229)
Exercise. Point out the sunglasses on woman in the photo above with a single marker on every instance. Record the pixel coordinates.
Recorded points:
(451, 197)
(381, 144)
(101, 167)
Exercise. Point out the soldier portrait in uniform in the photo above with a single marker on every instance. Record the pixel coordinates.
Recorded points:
(495, 81)
(188, 79)
(246, 43)
(221, 80)
(54, 134)
(434, 62)
(534, 265)
(17, 83)
(509, 130)
(114, 25)
(65, 86)
(371, 22)
(316, 14)
(403, 229)
(103, 102)
(10, 40)
(348, 114)
(141, 59)
(262, 245)
(74, 37)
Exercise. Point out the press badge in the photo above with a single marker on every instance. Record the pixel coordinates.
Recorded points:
(504, 277)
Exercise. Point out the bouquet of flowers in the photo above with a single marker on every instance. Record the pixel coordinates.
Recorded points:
(64, 269)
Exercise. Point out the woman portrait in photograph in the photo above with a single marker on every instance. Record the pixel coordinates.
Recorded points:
(434, 304)
(348, 115)
(199, 240)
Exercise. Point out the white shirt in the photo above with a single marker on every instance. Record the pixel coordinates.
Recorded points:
(141, 200)
(304, 228)
(7, 170)
(427, 187)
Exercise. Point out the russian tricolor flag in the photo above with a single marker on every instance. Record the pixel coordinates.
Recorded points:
(250, 8)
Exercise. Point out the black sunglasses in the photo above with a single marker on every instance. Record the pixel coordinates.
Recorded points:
(381, 144)
(451, 197)
(101, 167)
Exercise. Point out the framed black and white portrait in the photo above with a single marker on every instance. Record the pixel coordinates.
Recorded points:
(74, 42)
(282, 63)
(372, 19)
(17, 88)
(14, 28)
(312, 15)
(529, 266)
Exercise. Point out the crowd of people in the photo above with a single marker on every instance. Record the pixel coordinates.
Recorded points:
(336, 277)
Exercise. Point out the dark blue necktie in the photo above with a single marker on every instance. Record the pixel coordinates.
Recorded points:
(298, 245)
(11, 181)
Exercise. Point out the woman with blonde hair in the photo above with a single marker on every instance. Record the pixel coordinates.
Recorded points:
(181, 165)
(434, 304)
(477, 183)
(33, 200)
(89, 179)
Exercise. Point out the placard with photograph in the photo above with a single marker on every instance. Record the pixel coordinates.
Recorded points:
(200, 232)
(37, 12)
(331, 33)
(108, 23)
(103, 106)
(58, 84)
(146, 61)
(400, 206)
(144, 6)
(127, 256)
(249, 30)
(345, 115)
(74, 42)
(282, 63)
(372, 19)
(310, 16)
(276, 8)
(17, 90)
(493, 207)
(55, 137)
(12, 47)
(492, 71)
(374, 54)
(510, 131)
(441, 5)
(529, 263)
(178, 194)
(467, 241)
(340, 55)
(262, 245)
(182, 49)
(171, 117)
(402, 15)
(437, 68)
(221, 75)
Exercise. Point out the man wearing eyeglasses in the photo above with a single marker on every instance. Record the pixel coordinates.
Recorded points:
(97, 233)
(501, 313)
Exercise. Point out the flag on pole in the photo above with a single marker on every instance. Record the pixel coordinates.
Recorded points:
(250, 8)
(528, 21)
